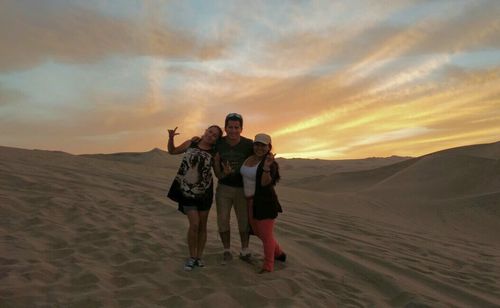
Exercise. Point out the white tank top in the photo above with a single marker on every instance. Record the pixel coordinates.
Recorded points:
(249, 175)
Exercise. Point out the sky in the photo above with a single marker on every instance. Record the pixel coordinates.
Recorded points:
(326, 79)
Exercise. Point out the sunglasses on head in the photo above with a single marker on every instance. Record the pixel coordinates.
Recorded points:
(234, 115)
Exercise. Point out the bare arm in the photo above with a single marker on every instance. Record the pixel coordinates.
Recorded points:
(172, 149)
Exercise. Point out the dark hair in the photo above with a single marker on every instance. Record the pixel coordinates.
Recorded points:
(218, 128)
(277, 175)
(234, 117)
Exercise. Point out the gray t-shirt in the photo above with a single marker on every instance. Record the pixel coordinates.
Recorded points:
(235, 155)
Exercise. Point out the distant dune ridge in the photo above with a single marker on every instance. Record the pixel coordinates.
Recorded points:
(155, 157)
(457, 167)
(97, 231)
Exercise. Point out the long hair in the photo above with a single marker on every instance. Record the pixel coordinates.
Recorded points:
(218, 128)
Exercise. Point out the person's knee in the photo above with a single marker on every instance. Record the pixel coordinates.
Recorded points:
(202, 227)
(223, 220)
(243, 225)
(223, 225)
(194, 227)
(223, 214)
(202, 224)
(244, 229)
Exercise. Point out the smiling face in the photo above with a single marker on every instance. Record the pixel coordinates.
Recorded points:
(233, 130)
(261, 149)
(212, 134)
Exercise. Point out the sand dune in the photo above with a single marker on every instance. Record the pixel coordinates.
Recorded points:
(97, 231)
(464, 170)
(455, 172)
(296, 169)
(460, 186)
(350, 181)
(155, 157)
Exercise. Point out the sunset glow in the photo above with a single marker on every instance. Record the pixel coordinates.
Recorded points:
(326, 79)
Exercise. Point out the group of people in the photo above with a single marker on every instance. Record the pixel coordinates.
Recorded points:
(247, 173)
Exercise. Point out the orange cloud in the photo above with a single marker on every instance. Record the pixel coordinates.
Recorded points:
(360, 87)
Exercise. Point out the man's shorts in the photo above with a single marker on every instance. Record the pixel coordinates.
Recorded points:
(227, 197)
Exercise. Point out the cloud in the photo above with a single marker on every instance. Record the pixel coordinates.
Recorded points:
(32, 32)
(105, 127)
(331, 79)
(10, 96)
(407, 132)
(474, 26)
(412, 74)
(447, 109)
(375, 48)
(310, 38)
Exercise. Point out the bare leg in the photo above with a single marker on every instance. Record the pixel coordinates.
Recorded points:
(192, 234)
(241, 211)
(244, 236)
(202, 233)
(226, 239)
(223, 198)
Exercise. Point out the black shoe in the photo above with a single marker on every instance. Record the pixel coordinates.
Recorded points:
(246, 257)
(199, 263)
(281, 257)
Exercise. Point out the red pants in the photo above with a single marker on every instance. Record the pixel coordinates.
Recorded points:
(264, 230)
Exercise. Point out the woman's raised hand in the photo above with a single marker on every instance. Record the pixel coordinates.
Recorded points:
(172, 133)
(269, 159)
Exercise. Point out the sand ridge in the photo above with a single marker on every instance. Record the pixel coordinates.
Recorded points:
(97, 231)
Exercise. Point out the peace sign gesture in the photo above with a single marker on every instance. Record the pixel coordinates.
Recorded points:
(269, 160)
(227, 169)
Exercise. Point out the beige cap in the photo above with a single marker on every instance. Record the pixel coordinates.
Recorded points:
(263, 138)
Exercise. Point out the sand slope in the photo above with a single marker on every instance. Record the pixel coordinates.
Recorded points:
(464, 170)
(97, 231)
(296, 168)
(156, 158)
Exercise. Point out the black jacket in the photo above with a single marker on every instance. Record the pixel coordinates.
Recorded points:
(265, 199)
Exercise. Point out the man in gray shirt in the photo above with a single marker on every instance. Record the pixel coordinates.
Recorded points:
(232, 151)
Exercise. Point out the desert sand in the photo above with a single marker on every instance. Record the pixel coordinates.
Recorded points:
(98, 231)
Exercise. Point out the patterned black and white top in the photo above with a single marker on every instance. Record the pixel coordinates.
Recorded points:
(195, 173)
(193, 184)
